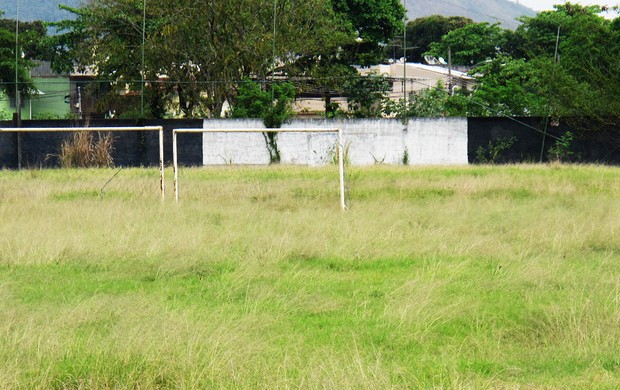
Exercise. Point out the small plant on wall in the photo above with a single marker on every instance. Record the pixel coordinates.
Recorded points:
(273, 106)
(494, 150)
(561, 151)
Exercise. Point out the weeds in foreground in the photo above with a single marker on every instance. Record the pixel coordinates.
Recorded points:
(84, 150)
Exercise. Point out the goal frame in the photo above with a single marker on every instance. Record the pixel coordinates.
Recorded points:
(340, 147)
(159, 129)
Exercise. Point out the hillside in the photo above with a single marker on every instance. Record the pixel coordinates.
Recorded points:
(492, 11)
(30, 10)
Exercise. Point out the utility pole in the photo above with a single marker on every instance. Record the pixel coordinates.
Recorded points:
(142, 68)
(18, 103)
(450, 86)
(405, 60)
(273, 53)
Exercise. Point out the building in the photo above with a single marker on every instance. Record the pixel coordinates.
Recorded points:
(418, 77)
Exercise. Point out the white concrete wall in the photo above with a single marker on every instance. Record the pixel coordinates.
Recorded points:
(428, 141)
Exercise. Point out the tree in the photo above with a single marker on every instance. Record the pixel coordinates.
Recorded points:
(9, 61)
(508, 87)
(359, 30)
(366, 95)
(373, 22)
(421, 32)
(584, 78)
(471, 44)
(200, 63)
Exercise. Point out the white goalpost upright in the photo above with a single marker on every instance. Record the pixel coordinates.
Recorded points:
(159, 129)
(279, 130)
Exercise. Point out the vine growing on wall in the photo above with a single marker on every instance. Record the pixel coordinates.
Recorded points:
(273, 106)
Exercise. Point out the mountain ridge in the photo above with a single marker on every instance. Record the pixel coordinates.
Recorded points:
(503, 12)
(30, 10)
(492, 11)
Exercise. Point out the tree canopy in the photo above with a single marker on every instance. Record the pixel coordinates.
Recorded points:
(421, 32)
(202, 63)
(562, 62)
(27, 47)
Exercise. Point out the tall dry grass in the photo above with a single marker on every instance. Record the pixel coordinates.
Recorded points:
(465, 277)
(85, 149)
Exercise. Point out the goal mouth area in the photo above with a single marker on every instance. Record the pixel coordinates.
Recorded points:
(159, 129)
(336, 131)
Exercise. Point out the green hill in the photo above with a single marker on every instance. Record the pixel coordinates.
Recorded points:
(492, 11)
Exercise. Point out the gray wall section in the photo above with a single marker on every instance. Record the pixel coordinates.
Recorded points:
(436, 141)
(8, 147)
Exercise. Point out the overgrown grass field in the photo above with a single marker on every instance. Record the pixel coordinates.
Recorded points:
(462, 277)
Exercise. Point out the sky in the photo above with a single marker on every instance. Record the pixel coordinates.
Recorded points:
(541, 5)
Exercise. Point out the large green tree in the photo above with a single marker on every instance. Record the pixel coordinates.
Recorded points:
(471, 44)
(560, 63)
(579, 54)
(9, 62)
(421, 32)
(358, 35)
(373, 23)
(197, 51)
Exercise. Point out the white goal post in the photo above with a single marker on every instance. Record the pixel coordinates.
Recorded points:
(160, 129)
(270, 130)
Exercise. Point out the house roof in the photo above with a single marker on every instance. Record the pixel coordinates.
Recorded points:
(414, 70)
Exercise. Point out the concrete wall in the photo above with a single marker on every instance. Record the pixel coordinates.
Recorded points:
(436, 141)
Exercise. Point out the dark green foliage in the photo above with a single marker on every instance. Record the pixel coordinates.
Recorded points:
(471, 44)
(273, 105)
(8, 60)
(367, 95)
(371, 23)
(421, 32)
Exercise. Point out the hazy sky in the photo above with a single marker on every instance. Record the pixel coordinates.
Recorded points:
(540, 5)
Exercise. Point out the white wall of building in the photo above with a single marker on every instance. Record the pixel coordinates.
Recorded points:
(428, 141)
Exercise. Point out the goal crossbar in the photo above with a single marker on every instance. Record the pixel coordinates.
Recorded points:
(159, 129)
(270, 130)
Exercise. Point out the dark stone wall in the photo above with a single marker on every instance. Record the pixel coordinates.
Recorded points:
(593, 142)
(8, 147)
(131, 148)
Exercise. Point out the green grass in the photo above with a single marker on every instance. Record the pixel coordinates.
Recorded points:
(458, 277)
